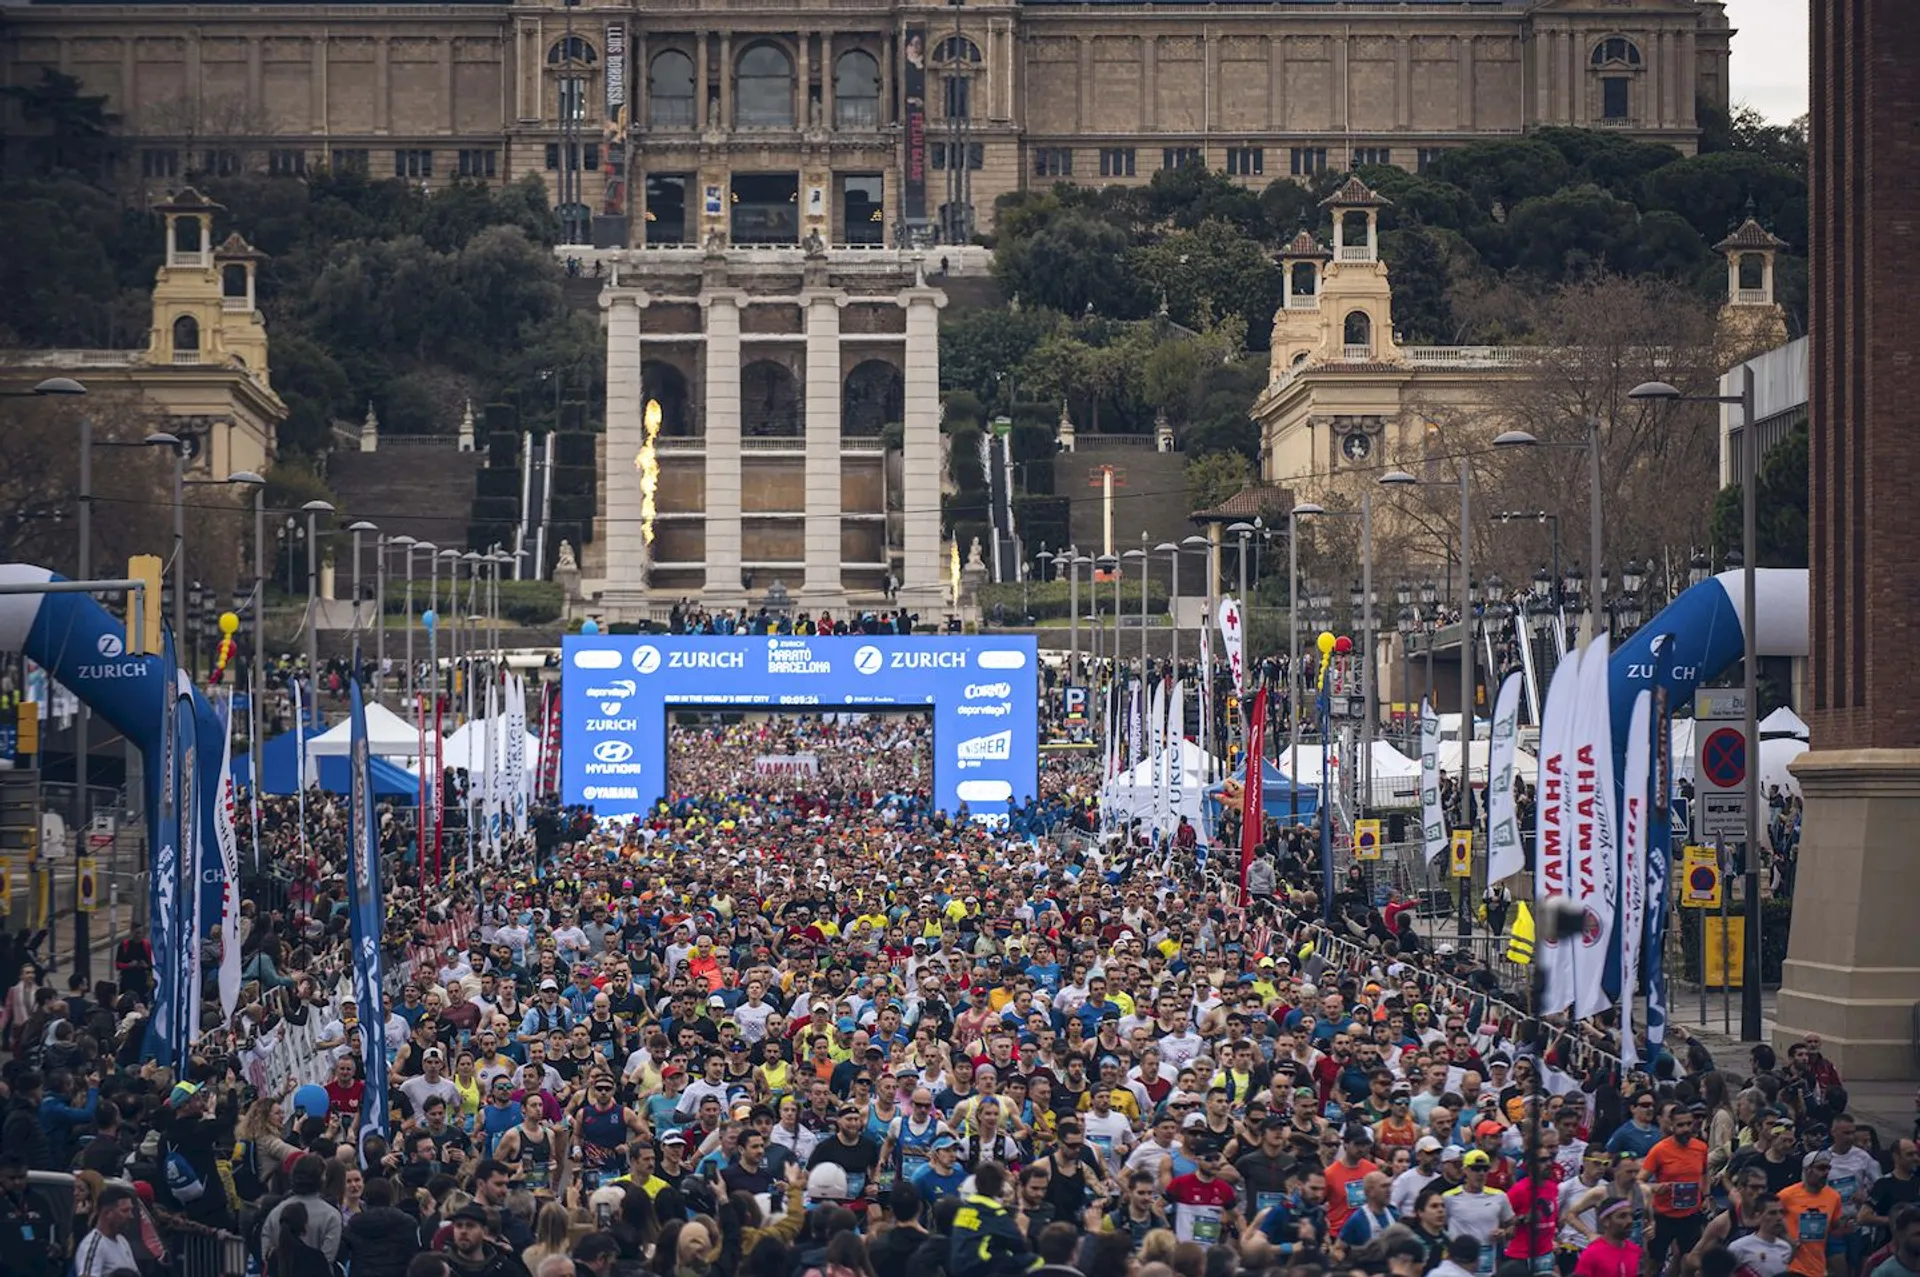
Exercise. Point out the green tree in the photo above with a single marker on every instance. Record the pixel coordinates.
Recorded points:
(1191, 195)
(1075, 264)
(1714, 192)
(1215, 476)
(78, 126)
(978, 346)
(1781, 507)
(1503, 172)
(1422, 287)
(1210, 272)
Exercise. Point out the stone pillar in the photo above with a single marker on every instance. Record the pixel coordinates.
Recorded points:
(826, 79)
(621, 541)
(822, 585)
(726, 79)
(921, 582)
(723, 443)
(1853, 960)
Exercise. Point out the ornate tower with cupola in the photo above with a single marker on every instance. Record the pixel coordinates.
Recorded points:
(1336, 305)
(205, 309)
(1751, 317)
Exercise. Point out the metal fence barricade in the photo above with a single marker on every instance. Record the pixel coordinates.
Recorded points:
(218, 1255)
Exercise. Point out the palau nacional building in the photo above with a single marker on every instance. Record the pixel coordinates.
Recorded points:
(862, 120)
(735, 172)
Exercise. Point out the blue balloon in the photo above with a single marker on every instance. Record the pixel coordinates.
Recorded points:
(427, 619)
(589, 626)
(311, 1101)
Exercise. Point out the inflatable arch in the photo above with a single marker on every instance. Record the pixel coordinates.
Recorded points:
(83, 645)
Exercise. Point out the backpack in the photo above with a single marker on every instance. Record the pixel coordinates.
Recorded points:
(184, 1183)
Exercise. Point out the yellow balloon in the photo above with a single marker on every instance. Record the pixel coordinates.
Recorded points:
(229, 622)
(1325, 642)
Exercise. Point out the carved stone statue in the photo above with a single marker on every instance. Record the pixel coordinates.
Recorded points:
(973, 555)
(814, 244)
(713, 114)
(716, 240)
(566, 561)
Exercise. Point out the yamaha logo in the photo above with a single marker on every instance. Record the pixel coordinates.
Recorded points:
(613, 751)
(109, 646)
(866, 659)
(646, 658)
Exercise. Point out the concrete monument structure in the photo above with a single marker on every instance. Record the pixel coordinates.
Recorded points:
(1853, 962)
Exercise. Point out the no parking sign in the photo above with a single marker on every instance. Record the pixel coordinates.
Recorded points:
(1699, 878)
(1366, 840)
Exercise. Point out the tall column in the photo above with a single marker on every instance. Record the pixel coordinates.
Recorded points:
(1466, 83)
(1853, 957)
(382, 85)
(723, 442)
(826, 79)
(726, 79)
(700, 79)
(823, 447)
(803, 89)
(620, 533)
(920, 459)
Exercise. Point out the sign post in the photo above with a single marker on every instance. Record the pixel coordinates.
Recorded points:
(1723, 755)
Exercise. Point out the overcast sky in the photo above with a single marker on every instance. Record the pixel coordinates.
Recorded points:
(1770, 56)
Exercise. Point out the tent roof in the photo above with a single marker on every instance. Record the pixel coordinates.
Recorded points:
(388, 735)
(280, 771)
(1784, 722)
(1387, 761)
(466, 747)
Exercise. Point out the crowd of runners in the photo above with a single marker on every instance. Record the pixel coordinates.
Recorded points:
(798, 1024)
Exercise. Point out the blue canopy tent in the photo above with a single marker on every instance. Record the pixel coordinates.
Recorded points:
(281, 771)
(1280, 798)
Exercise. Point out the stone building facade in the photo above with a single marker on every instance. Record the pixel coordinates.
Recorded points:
(797, 438)
(859, 118)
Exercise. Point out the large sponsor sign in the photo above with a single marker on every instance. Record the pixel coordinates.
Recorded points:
(615, 693)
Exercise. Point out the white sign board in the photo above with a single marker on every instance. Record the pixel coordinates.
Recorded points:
(1722, 755)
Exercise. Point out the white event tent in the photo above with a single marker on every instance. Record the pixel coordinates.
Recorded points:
(388, 736)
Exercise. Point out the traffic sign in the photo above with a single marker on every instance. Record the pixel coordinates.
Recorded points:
(86, 885)
(1722, 755)
(1366, 840)
(1460, 854)
(1700, 882)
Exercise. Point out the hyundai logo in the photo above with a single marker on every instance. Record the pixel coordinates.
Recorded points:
(866, 659)
(613, 751)
(109, 646)
(646, 658)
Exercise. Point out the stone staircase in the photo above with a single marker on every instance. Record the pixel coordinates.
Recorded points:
(1150, 494)
(422, 488)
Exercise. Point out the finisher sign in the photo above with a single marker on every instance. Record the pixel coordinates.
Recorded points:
(616, 691)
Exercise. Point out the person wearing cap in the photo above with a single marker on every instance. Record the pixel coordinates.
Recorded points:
(1424, 1171)
(546, 1014)
(1398, 1129)
(941, 1175)
(1639, 1135)
(431, 1081)
(1815, 1216)
(1264, 1170)
(1478, 1211)
(856, 1155)
(471, 1252)
(1203, 1202)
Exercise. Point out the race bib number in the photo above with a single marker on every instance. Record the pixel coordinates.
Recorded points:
(911, 1165)
(1356, 1194)
(1484, 1267)
(1686, 1197)
(1813, 1227)
(1267, 1201)
(1198, 1224)
(856, 1183)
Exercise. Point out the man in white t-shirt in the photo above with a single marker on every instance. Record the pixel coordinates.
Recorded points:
(109, 1247)
(1408, 1183)
(1766, 1249)
(1109, 1134)
(752, 1014)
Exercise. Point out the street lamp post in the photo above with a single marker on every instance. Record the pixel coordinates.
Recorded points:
(357, 527)
(1540, 516)
(1172, 552)
(1141, 555)
(1522, 439)
(161, 439)
(1401, 479)
(314, 509)
(1660, 391)
(405, 545)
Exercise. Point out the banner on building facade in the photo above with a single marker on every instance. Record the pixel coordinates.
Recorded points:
(614, 148)
(913, 92)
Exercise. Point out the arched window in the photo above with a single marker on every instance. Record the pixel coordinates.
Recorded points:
(1357, 330)
(872, 398)
(186, 334)
(956, 48)
(670, 91)
(763, 89)
(1306, 280)
(667, 386)
(769, 402)
(1753, 270)
(1616, 50)
(571, 48)
(856, 91)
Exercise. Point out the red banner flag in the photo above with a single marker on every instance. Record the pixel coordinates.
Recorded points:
(1252, 813)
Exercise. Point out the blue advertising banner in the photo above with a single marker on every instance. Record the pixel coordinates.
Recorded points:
(616, 690)
(365, 916)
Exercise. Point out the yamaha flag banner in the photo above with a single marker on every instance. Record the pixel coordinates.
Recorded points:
(517, 753)
(1252, 800)
(185, 972)
(1658, 903)
(300, 759)
(365, 916)
(1635, 812)
(1553, 819)
(1592, 851)
(1433, 821)
(1504, 857)
(166, 902)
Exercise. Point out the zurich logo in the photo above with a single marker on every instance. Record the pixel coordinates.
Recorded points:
(646, 658)
(610, 708)
(613, 751)
(866, 659)
(110, 646)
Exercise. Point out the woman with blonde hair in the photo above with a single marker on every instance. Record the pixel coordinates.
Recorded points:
(259, 1151)
(552, 1230)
